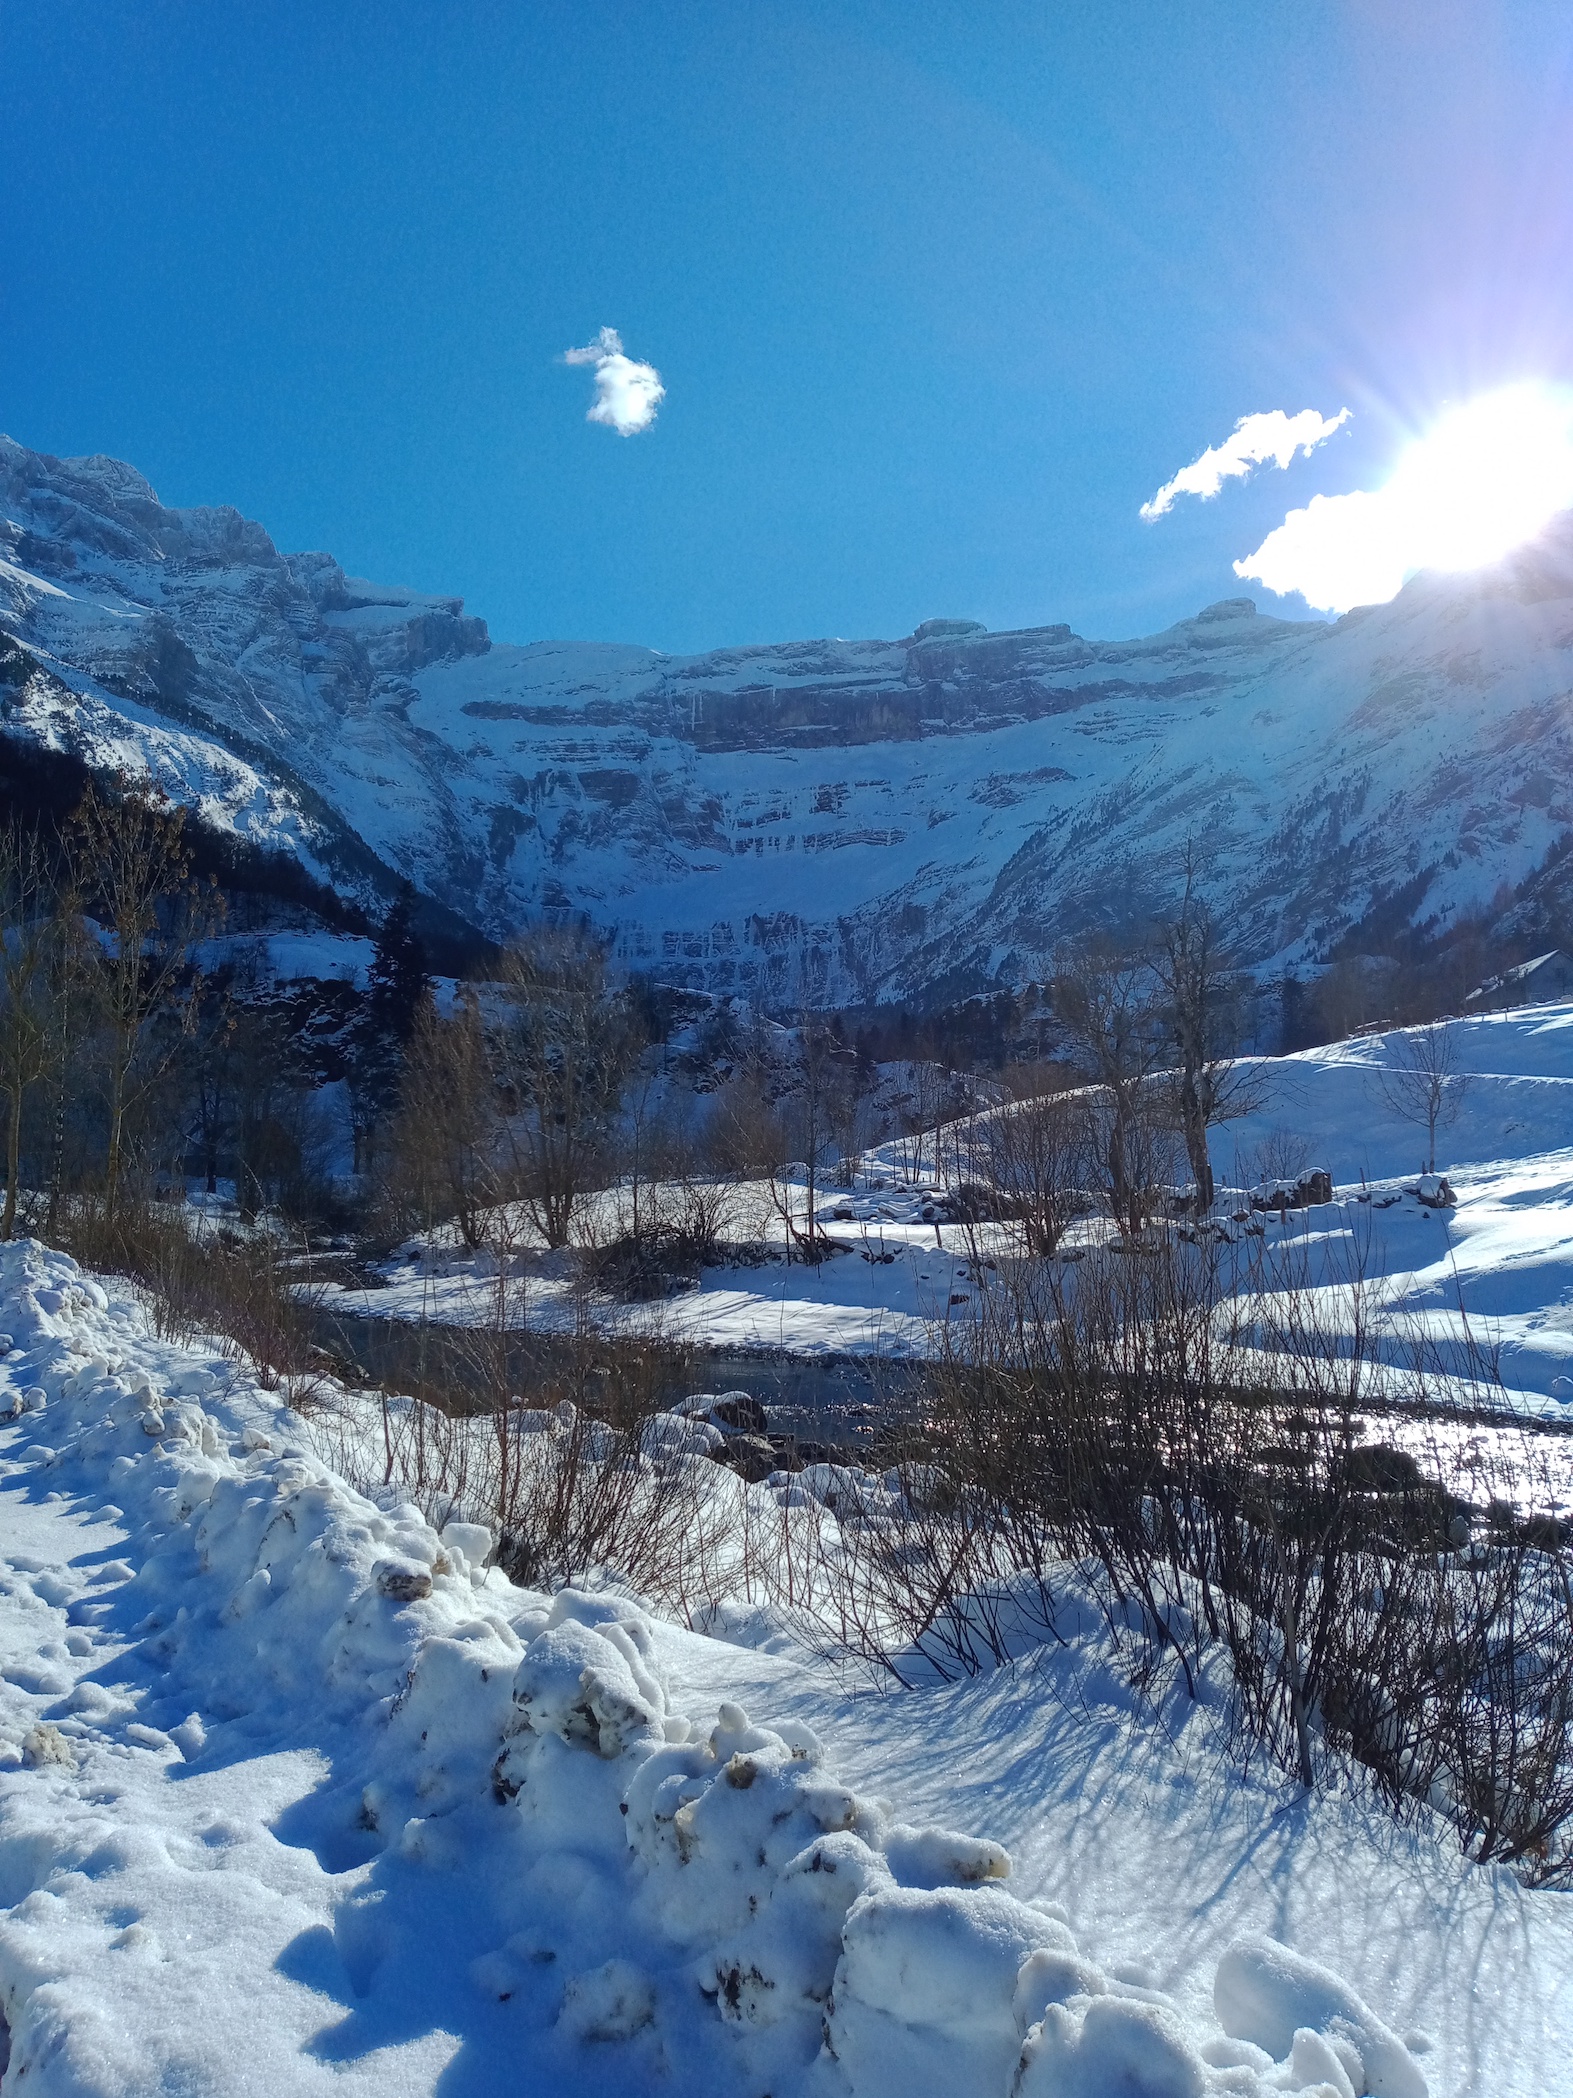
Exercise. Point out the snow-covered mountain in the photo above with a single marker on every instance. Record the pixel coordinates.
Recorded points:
(814, 821)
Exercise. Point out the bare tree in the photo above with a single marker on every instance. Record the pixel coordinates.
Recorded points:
(1108, 1002)
(210, 1079)
(850, 1119)
(278, 1129)
(698, 1203)
(920, 1107)
(813, 1111)
(445, 1134)
(1034, 1153)
(1201, 987)
(560, 1051)
(34, 944)
(645, 1144)
(747, 1135)
(1356, 990)
(1423, 1083)
(131, 862)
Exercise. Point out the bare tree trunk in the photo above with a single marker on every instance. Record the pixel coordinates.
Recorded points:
(13, 1165)
(1193, 1126)
(117, 1119)
(1121, 1199)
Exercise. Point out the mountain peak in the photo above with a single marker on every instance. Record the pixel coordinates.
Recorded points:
(120, 482)
(113, 479)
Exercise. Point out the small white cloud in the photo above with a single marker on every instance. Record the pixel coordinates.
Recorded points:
(627, 393)
(1488, 477)
(1256, 439)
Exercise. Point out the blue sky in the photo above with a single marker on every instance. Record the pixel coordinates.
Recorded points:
(939, 295)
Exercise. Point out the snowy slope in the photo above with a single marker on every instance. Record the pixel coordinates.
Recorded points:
(293, 1797)
(817, 820)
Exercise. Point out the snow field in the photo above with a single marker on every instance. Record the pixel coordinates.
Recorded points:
(296, 1792)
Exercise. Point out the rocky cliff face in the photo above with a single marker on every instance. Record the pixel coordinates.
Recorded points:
(821, 820)
(267, 689)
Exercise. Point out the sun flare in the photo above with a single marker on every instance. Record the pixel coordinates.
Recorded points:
(1487, 477)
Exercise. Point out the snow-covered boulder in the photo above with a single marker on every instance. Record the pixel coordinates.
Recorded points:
(1266, 1993)
(925, 1992)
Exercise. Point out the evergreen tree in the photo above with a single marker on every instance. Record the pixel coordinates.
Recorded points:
(398, 978)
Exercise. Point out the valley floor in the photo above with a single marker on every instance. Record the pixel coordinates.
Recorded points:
(1491, 1277)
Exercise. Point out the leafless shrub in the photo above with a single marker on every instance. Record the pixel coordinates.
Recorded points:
(1279, 1156)
(667, 1217)
(1191, 1419)
(1195, 1426)
(243, 1290)
(566, 1451)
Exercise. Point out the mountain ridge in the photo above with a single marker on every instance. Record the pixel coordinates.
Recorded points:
(820, 821)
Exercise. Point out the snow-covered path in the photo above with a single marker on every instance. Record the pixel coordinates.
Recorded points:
(152, 1905)
(256, 1833)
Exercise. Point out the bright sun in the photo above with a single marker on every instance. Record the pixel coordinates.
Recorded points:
(1487, 477)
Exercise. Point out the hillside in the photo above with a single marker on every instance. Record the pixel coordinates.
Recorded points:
(824, 821)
